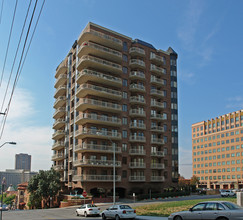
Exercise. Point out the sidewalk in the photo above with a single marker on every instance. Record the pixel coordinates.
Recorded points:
(150, 218)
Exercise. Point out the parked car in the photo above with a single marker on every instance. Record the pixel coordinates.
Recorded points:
(88, 210)
(226, 193)
(119, 212)
(220, 210)
(4, 207)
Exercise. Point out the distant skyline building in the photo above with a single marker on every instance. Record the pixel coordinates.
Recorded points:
(116, 93)
(23, 162)
(217, 151)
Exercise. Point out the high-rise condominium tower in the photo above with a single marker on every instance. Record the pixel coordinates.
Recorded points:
(116, 94)
(23, 162)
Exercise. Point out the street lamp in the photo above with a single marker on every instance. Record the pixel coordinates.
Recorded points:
(2, 113)
(3, 184)
(14, 143)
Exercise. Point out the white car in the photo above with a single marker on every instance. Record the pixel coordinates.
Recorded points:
(226, 193)
(119, 212)
(87, 210)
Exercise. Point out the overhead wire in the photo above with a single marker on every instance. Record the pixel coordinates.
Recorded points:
(1, 12)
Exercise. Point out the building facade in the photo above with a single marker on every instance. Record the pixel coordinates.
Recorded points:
(217, 151)
(23, 162)
(116, 94)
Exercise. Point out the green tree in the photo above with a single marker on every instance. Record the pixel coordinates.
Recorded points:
(42, 186)
(194, 180)
(9, 199)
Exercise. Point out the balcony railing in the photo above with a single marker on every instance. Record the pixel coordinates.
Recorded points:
(137, 152)
(157, 104)
(137, 112)
(61, 69)
(158, 154)
(157, 128)
(94, 76)
(94, 178)
(136, 99)
(137, 138)
(158, 117)
(157, 81)
(137, 75)
(136, 63)
(60, 112)
(98, 134)
(136, 51)
(85, 103)
(157, 178)
(157, 92)
(137, 178)
(61, 79)
(157, 59)
(58, 157)
(137, 165)
(157, 141)
(137, 88)
(60, 101)
(60, 91)
(58, 135)
(94, 163)
(58, 145)
(96, 148)
(58, 167)
(157, 166)
(156, 69)
(59, 123)
(136, 125)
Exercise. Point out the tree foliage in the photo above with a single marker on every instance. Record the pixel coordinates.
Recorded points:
(44, 185)
(194, 180)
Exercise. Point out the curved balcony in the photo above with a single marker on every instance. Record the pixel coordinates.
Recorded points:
(96, 178)
(136, 88)
(58, 167)
(59, 134)
(61, 69)
(156, 69)
(86, 103)
(90, 133)
(88, 89)
(99, 51)
(97, 119)
(157, 141)
(137, 139)
(96, 163)
(99, 64)
(135, 125)
(158, 154)
(157, 81)
(58, 145)
(59, 123)
(157, 166)
(96, 148)
(60, 101)
(136, 63)
(157, 93)
(136, 178)
(157, 59)
(94, 76)
(156, 104)
(59, 113)
(137, 152)
(58, 156)
(61, 80)
(158, 117)
(136, 51)
(137, 113)
(100, 38)
(157, 129)
(137, 75)
(60, 91)
(137, 100)
(136, 165)
(157, 179)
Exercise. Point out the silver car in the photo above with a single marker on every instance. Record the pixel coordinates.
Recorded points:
(88, 210)
(211, 210)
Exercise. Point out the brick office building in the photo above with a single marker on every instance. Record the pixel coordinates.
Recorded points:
(113, 92)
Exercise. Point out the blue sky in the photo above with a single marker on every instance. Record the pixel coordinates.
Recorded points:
(207, 35)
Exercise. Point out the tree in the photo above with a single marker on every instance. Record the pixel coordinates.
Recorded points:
(194, 180)
(43, 186)
(182, 182)
(9, 199)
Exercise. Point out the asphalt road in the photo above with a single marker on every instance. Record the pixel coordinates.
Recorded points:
(69, 212)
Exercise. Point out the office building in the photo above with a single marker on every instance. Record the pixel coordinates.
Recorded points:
(113, 92)
(217, 151)
(23, 162)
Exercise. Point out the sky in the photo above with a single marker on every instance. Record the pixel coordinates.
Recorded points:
(207, 35)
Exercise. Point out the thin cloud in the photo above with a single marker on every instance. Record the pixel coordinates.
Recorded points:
(187, 76)
(235, 102)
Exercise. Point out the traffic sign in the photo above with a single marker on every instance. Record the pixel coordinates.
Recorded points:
(84, 194)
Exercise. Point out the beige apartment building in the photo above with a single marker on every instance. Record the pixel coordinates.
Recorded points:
(217, 151)
(114, 93)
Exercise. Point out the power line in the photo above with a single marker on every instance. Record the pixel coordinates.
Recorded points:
(9, 38)
(1, 11)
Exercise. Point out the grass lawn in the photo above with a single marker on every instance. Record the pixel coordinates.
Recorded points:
(166, 208)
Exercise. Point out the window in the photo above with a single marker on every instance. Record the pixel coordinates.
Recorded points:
(124, 121)
(124, 133)
(125, 46)
(124, 95)
(124, 82)
(124, 57)
(124, 107)
(124, 70)
(124, 147)
(124, 160)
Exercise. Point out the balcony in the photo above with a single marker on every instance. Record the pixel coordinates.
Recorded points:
(58, 135)
(94, 76)
(157, 166)
(135, 165)
(61, 80)
(137, 75)
(59, 113)
(158, 154)
(96, 148)
(91, 133)
(89, 48)
(97, 119)
(58, 145)
(58, 167)
(85, 103)
(88, 89)
(135, 125)
(137, 139)
(100, 38)
(60, 101)
(157, 179)
(158, 117)
(157, 59)
(99, 64)
(136, 88)
(61, 69)
(137, 100)
(96, 163)
(135, 151)
(157, 141)
(136, 178)
(157, 129)
(136, 63)
(60, 91)
(156, 104)
(96, 178)
(137, 113)
(157, 93)
(136, 51)
(59, 123)
(157, 81)
(57, 157)
(156, 69)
